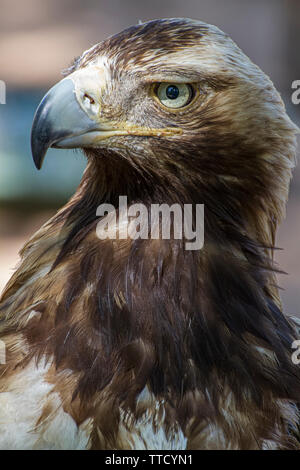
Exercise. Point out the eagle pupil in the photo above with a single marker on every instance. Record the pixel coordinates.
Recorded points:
(172, 92)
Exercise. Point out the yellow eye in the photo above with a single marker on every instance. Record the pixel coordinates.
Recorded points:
(174, 95)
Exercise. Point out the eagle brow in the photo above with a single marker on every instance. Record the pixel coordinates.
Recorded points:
(171, 75)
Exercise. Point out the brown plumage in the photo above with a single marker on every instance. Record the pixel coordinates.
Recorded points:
(141, 343)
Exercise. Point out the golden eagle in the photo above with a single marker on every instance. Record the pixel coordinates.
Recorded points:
(122, 343)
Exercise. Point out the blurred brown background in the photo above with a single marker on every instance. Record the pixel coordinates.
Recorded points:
(40, 38)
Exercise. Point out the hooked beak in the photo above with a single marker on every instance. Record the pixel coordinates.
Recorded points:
(69, 116)
(58, 121)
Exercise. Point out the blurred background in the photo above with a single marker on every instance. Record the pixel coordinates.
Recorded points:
(38, 39)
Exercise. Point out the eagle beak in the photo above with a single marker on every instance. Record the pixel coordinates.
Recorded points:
(61, 122)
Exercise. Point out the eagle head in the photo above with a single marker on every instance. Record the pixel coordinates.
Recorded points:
(174, 107)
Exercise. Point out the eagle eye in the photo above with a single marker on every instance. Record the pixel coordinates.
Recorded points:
(174, 95)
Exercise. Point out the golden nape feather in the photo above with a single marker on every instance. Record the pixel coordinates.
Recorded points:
(140, 343)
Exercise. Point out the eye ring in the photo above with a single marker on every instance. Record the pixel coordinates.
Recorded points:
(174, 96)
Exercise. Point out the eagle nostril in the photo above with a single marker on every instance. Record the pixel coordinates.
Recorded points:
(87, 97)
